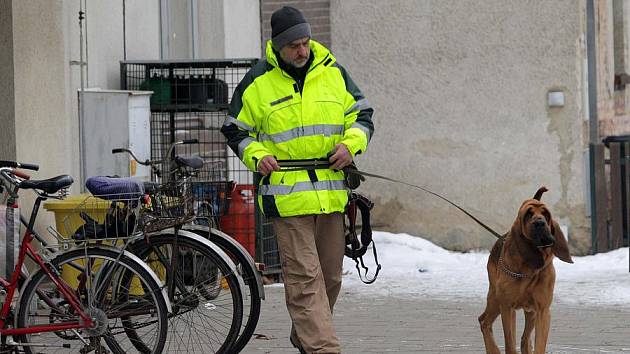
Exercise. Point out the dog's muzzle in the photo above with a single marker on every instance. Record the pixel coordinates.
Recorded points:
(541, 233)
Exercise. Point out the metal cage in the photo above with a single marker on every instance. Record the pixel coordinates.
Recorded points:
(189, 101)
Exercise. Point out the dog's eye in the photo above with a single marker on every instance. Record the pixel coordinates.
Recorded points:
(528, 214)
(547, 214)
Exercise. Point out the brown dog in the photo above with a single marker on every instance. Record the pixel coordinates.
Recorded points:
(522, 276)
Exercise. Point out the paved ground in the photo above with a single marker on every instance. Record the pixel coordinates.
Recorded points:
(391, 325)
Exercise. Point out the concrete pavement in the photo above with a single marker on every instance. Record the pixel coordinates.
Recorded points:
(423, 325)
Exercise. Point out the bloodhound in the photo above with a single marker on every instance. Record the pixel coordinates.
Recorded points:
(522, 276)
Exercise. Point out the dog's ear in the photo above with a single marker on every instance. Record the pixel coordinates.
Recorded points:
(560, 247)
(517, 226)
(516, 229)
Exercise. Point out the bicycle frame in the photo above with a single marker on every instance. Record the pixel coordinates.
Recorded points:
(27, 249)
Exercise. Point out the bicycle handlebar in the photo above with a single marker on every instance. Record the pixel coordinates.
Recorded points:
(14, 164)
(155, 162)
(21, 174)
(146, 162)
(10, 177)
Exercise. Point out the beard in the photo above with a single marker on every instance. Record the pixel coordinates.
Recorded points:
(299, 63)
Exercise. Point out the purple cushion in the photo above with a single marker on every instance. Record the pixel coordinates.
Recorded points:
(112, 188)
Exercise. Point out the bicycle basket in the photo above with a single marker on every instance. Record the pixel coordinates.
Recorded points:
(99, 217)
(171, 204)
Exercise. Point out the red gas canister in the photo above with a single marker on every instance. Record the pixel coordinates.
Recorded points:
(239, 221)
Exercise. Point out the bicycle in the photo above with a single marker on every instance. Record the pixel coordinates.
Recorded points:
(94, 307)
(203, 283)
(184, 168)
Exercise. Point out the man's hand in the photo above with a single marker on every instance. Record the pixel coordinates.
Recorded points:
(340, 158)
(267, 165)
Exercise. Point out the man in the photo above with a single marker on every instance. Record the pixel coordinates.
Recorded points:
(297, 104)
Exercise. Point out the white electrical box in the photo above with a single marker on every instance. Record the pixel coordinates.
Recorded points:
(115, 119)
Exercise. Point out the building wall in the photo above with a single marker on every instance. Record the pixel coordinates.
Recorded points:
(229, 29)
(47, 78)
(212, 29)
(40, 54)
(7, 77)
(42, 120)
(460, 93)
(613, 59)
(242, 29)
(41, 65)
(142, 34)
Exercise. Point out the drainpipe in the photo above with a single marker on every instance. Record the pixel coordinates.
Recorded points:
(82, 66)
(591, 53)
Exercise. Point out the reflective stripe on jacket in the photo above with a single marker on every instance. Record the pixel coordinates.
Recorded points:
(269, 116)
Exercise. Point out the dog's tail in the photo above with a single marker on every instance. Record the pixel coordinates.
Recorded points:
(540, 192)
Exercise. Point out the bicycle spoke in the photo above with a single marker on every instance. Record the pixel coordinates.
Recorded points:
(113, 293)
(206, 315)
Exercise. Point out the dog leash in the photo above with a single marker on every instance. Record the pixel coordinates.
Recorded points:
(295, 165)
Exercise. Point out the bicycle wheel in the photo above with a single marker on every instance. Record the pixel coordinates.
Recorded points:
(94, 275)
(253, 293)
(198, 323)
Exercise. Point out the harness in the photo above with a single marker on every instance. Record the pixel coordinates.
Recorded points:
(356, 247)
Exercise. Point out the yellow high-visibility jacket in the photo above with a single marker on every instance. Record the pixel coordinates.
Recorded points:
(268, 115)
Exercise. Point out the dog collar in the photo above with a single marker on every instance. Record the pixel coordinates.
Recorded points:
(515, 275)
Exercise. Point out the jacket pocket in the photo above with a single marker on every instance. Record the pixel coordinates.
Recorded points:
(330, 109)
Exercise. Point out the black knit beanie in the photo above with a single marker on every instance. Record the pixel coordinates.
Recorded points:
(287, 25)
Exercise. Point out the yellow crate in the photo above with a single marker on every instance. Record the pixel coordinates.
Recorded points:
(68, 220)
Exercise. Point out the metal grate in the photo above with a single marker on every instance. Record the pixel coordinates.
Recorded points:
(189, 101)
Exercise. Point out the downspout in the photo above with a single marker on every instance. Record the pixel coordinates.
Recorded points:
(591, 55)
(82, 75)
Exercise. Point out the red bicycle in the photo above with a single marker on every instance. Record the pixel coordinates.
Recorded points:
(89, 298)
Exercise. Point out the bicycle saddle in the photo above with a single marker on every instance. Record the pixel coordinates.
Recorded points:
(50, 185)
(194, 162)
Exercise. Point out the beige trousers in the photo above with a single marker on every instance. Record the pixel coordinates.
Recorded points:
(311, 252)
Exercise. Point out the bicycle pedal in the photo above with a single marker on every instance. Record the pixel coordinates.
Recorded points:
(88, 349)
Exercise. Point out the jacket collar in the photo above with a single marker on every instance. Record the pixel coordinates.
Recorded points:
(322, 57)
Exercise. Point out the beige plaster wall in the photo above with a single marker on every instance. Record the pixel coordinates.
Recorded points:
(460, 92)
(613, 58)
(229, 28)
(7, 77)
(47, 76)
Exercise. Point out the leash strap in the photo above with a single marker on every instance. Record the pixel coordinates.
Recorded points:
(295, 165)
(367, 174)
